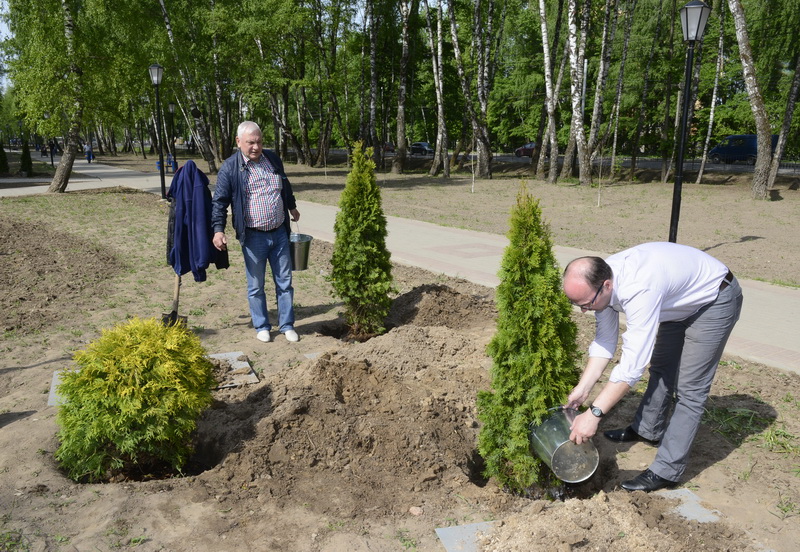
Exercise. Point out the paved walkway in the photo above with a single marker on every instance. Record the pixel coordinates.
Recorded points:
(768, 331)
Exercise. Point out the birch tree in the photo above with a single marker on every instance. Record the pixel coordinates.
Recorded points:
(577, 47)
(715, 88)
(441, 160)
(550, 100)
(401, 147)
(763, 131)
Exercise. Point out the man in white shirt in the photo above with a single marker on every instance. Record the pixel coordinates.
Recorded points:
(680, 306)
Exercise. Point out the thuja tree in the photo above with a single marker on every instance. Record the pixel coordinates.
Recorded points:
(134, 401)
(362, 270)
(534, 351)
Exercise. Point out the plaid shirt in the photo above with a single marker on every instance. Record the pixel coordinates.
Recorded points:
(264, 208)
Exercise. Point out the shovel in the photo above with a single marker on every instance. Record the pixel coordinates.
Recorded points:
(172, 318)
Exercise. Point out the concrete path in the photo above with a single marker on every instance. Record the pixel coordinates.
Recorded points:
(768, 331)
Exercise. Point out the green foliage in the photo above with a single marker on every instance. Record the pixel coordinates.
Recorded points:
(135, 400)
(25, 161)
(362, 270)
(534, 351)
(3, 160)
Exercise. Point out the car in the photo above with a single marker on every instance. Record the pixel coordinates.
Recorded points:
(738, 147)
(388, 147)
(526, 151)
(422, 148)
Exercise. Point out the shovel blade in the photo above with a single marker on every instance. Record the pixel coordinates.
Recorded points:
(172, 319)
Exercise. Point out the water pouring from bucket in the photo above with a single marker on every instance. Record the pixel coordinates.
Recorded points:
(549, 440)
(299, 247)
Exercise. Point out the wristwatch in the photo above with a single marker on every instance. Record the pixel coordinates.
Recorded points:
(596, 411)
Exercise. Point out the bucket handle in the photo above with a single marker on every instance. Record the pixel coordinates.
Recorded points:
(296, 224)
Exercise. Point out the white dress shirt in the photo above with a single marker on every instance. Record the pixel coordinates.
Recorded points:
(653, 283)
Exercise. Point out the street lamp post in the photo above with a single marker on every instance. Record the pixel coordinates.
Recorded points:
(694, 17)
(51, 143)
(171, 107)
(156, 72)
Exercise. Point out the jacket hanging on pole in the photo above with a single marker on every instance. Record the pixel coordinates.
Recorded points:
(189, 233)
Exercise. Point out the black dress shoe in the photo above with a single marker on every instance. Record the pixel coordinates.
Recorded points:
(627, 435)
(647, 481)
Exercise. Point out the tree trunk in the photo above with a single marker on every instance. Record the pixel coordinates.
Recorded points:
(550, 98)
(441, 159)
(645, 91)
(576, 57)
(717, 73)
(791, 101)
(763, 131)
(621, 77)
(372, 138)
(401, 147)
(479, 128)
(61, 176)
(602, 75)
(200, 127)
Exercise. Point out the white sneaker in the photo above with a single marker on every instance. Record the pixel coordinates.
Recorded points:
(292, 336)
(263, 335)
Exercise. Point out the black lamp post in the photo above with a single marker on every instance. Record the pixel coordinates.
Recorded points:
(694, 17)
(51, 143)
(171, 107)
(156, 72)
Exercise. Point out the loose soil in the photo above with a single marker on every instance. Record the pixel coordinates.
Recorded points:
(345, 446)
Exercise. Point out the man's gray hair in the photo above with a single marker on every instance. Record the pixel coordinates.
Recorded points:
(247, 127)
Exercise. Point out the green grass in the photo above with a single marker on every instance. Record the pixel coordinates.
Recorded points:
(14, 541)
(736, 425)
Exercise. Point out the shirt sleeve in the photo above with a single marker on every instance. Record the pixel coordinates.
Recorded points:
(642, 312)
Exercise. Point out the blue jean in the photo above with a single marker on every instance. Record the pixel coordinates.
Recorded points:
(682, 368)
(259, 248)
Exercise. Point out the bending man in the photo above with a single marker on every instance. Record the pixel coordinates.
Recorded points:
(680, 306)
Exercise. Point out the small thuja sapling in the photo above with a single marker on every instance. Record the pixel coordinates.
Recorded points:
(361, 273)
(533, 353)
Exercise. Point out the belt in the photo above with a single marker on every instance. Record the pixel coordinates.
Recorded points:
(260, 230)
(726, 281)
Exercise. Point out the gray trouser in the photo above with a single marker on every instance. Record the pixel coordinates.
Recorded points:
(684, 361)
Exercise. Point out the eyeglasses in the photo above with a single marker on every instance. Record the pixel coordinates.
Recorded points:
(587, 306)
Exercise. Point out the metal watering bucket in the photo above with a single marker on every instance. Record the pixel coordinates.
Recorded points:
(299, 246)
(571, 463)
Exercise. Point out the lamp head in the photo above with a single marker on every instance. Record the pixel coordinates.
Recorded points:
(171, 107)
(694, 17)
(156, 72)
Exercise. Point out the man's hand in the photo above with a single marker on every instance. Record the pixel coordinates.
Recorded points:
(577, 397)
(220, 241)
(583, 427)
(295, 215)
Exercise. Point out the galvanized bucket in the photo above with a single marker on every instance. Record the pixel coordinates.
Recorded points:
(571, 463)
(299, 246)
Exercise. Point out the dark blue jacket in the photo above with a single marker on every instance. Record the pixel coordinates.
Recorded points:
(191, 237)
(230, 191)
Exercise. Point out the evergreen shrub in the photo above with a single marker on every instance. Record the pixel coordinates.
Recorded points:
(134, 402)
(362, 270)
(25, 161)
(533, 353)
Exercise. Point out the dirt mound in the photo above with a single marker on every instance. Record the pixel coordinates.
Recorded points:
(371, 424)
(439, 305)
(641, 523)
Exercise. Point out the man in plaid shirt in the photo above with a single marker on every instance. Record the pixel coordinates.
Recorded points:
(253, 183)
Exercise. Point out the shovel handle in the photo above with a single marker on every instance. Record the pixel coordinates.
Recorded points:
(176, 293)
